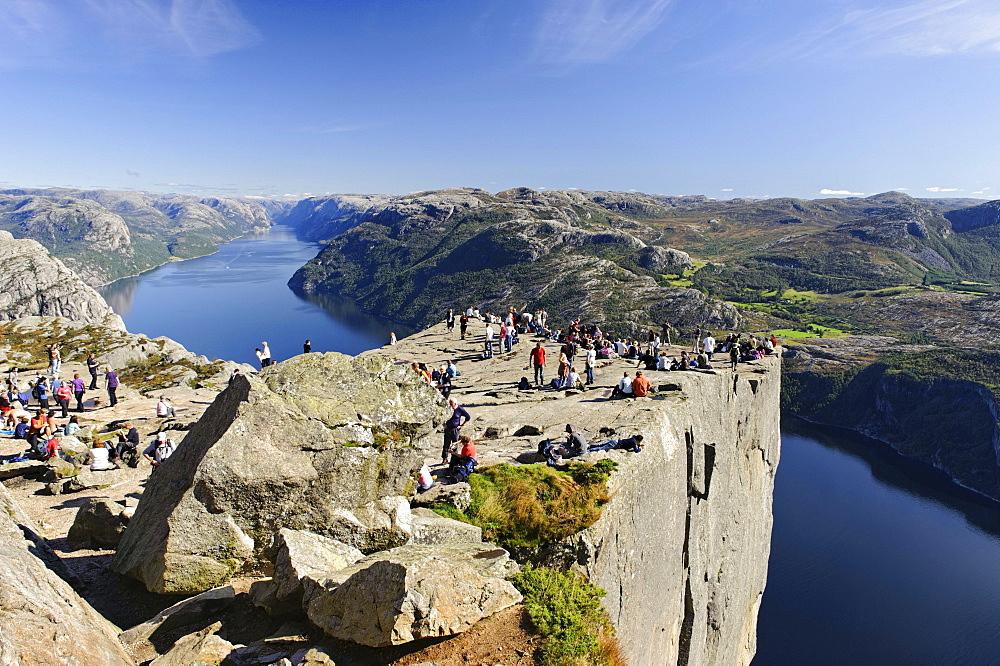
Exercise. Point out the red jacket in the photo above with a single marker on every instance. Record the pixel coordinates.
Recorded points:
(538, 356)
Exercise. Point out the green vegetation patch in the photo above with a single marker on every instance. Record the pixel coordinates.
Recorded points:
(566, 610)
(526, 507)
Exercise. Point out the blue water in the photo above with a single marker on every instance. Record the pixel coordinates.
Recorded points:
(876, 560)
(224, 305)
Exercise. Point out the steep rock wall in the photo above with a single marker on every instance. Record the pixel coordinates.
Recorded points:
(682, 548)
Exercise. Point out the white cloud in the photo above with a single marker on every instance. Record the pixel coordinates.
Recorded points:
(900, 189)
(589, 31)
(727, 189)
(979, 192)
(842, 192)
(900, 27)
(943, 189)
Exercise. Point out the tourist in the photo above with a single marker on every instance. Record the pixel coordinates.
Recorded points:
(463, 323)
(575, 441)
(128, 444)
(42, 392)
(265, 355)
(623, 388)
(55, 359)
(425, 480)
(452, 428)
(573, 380)
(112, 379)
(23, 428)
(537, 358)
(453, 370)
(734, 355)
(39, 430)
(99, 459)
(629, 444)
(392, 337)
(63, 395)
(260, 356)
(12, 377)
(449, 321)
(159, 450)
(164, 409)
(92, 366)
(488, 344)
(708, 345)
(73, 426)
(463, 462)
(78, 390)
(697, 339)
(307, 346)
(640, 385)
(234, 375)
(589, 362)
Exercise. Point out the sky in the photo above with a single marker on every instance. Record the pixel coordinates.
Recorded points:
(725, 98)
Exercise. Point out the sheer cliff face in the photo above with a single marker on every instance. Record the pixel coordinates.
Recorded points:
(36, 283)
(682, 548)
(104, 235)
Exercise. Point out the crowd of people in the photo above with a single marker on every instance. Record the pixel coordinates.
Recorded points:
(38, 412)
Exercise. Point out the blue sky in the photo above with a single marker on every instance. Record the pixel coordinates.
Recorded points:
(717, 97)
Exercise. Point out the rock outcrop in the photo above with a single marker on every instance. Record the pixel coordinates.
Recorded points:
(43, 620)
(98, 523)
(36, 283)
(414, 592)
(296, 447)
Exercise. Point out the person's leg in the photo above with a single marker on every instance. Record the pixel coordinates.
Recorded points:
(65, 408)
(93, 381)
(79, 400)
(450, 437)
(590, 374)
(112, 395)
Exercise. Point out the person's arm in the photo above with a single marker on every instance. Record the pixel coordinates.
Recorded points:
(464, 414)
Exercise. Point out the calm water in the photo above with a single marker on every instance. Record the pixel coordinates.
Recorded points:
(226, 304)
(876, 561)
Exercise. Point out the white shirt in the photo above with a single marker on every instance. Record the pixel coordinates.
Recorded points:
(489, 333)
(625, 384)
(99, 459)
(573, 379)
(266, 353)
(708, 345)
(591, 357)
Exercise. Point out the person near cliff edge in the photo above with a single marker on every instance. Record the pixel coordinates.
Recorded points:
(449, 321)
(307, 346)
(92, 366)
(452, 427)
(112, 379)
(633, 444)
(265, 355)
(537, 357)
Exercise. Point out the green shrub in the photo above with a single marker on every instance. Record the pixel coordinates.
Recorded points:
(566, 610)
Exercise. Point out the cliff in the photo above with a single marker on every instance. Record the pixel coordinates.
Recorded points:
(36, 283)
(938, 405)
(682, 547)
(104, 235)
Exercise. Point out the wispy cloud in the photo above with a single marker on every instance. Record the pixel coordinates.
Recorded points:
(40, 31)
(842, 192)
(924, 28)
(727, 189)
(943, 189)
(591, 31)
(335, 128)
(134, 174)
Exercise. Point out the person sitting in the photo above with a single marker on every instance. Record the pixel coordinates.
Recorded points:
(453, 370)
(628, 444)
(159, 450)
(51, 448)
(22, 428)
(703, 362)
(164, 409)
(575, 441)
(553, 452)
(624, 388)
(524, 384)
(73, 426)
(463, 462)
(648, 361)
(128, 446)
(573, 381)
(425, 480)
(640, 385)
(99, 458)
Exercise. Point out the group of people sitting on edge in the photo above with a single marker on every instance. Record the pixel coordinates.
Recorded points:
(575, 444)
(440, 378)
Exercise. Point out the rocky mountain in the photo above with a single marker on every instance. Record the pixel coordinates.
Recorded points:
(104, 235)
(573, 253)
(36, 283)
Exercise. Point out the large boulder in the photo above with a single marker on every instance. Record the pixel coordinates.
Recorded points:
(431, 528)
(42, 619)
(203, 648)
(414, 592)
(307, 444)
(304, 562)
(99, 523)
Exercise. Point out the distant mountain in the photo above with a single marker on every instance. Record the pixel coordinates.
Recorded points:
(104, 235)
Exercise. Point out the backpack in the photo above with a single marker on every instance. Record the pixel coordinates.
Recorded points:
(35, 393)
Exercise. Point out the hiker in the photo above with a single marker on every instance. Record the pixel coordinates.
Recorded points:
(55, 359)
(99, 460)
(452, 427)
(633, 444)
(449, 321)
(307, 346)
(590, 360)
(42, 392)
(575, 441)
(463, 462)
(112, 378)
(22, 428)
(624, 388)
(463, 323)
(128, 444)
(734, 355)
(488, 344)
(708, 345)
(73, 426)
(425, 480)
(39, 430)
(537, 358)
(63, 395)
(78, 390)
(92, 366)
(392, 337)
(640, 385)
(159, 450)
(164, 409)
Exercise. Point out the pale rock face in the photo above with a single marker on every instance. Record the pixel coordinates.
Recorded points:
(42, 619)
(277, 450)
(415, 592)
(36, 283)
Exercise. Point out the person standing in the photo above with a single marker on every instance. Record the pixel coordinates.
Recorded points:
(697, 339)
(78, 391)
(537, 357)
(63, 395)
(55, 359)
(665, 333)
(392, 337)
(453, 427)
(708, 345)
(449, 321)
(92, 366)
(307, 346)
(488, 350)
(463, 325)
(265, 355)
(112, 379)
(590, 362)
(42, 388)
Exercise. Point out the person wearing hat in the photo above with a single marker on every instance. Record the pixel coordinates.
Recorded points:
(159, 450)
